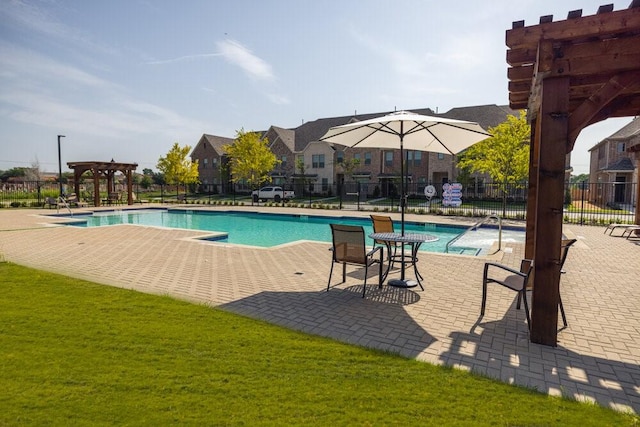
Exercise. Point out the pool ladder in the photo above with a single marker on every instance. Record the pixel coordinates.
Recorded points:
(475, 227)
(63, 201)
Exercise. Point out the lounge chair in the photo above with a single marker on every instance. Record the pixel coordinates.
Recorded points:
(51, 202)
(519, 281)
(73, 200)
(349, 247)
(612, 227)
(631, 230)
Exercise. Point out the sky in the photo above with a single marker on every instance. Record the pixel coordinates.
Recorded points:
(126, 79)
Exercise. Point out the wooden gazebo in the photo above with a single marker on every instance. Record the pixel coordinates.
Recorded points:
(103, 170)
(569, 74)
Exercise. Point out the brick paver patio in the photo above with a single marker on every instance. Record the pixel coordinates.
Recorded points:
(597, 358)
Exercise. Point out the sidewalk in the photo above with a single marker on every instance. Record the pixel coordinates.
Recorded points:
(597, 358)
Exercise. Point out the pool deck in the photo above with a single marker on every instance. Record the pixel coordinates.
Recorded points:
(597, 357)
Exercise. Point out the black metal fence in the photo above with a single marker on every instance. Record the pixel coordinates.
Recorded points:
(585, 203)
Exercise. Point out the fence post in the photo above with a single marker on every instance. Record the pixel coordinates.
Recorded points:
(582, 202)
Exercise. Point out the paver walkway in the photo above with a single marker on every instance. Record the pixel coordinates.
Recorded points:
(597, 358)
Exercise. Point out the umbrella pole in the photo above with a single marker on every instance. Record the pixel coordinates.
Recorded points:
(402, 198)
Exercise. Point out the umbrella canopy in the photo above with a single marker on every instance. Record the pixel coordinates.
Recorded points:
(404, 129)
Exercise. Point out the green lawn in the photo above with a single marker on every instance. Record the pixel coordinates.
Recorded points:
(77, 353)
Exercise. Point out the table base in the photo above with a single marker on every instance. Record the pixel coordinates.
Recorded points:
(402, 283)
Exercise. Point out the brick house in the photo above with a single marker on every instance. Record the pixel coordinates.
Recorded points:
(212, 163)
(613, 167)
(378, 171)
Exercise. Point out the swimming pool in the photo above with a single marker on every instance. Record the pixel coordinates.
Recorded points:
(267, 230)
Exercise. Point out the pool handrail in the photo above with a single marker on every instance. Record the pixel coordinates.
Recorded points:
(475, 226)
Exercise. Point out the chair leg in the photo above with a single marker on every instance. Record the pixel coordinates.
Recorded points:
(564, 317)
(380, 268)
(344, 272)
(526, 307)
(484, 297)
(364, 287)
(330, 274)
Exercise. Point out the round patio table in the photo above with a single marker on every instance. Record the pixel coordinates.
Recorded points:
(415, 240)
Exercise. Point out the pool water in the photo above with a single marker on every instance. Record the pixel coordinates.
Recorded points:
(267, 230)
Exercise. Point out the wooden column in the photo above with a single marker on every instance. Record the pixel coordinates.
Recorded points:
(129, 187)
(551, 138)
(96, 186)
(637, 155)
(532, 195)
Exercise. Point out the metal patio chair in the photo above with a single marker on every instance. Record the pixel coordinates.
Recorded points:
(349, 247)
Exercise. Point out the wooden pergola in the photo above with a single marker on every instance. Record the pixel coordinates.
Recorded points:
(569, 74)
(103, 170)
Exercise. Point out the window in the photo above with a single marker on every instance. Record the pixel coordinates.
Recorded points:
(205, 161)
(317, 161)
(325, 184)
(283, 161)
(388, 158)
(440, 156)
(214, 162)
(367, 158)
(356, 156)
(417, 158)
(340, 157)
(621, 147)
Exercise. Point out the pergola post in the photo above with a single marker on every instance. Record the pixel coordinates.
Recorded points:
(532, 194)
(552, 139)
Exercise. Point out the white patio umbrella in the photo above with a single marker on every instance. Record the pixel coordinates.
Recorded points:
(407, 130)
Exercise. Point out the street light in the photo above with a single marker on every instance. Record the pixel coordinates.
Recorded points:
(60, 165)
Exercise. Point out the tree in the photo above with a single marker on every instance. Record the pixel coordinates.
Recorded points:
(177, 167)
(348, 166)
(250, 159)
(33, 173)
(583, 177)
(505, 157)
(13, 172)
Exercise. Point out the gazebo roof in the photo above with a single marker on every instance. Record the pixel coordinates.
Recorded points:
(102, 166)
(599, 53)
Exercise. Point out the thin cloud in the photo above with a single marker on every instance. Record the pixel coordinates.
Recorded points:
(41, 91)
(185, 58)
(239, 55)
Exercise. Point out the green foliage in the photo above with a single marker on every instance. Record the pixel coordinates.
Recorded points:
(177, 167)
(78, 353)
(348, 166)
(505, 157)
(584, 177)
(251, 160)
(13, 172)
(145, 181)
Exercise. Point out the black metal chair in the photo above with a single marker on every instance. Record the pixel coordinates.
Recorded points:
(349, 247)
(516, 281)
(519, 280)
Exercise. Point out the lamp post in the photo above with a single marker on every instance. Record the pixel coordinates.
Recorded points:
(60, 166)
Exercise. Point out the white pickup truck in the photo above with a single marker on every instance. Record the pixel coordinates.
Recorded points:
(276, 194)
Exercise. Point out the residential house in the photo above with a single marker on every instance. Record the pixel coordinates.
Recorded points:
(212, 162)
(613, 167)
(282, 144)
(310, 165)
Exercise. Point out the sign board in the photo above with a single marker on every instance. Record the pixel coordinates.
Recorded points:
(452, 194)
(429, 191)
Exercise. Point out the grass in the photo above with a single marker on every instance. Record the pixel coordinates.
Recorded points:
(77, 353)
